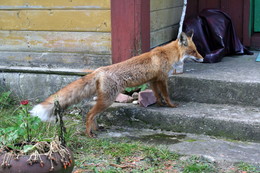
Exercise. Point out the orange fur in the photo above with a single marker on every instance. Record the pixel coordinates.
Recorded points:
(107, 82)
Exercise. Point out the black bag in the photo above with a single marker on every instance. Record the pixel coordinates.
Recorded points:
(214, 35)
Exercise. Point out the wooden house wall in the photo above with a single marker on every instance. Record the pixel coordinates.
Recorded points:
(55, 33)
(165, 17)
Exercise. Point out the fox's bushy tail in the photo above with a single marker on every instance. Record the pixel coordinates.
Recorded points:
(70, 94)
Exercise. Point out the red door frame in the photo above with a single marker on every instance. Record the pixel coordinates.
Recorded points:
(246, 23)
(130, 21)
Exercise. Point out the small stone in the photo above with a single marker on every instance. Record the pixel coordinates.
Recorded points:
(123, 98)
(95, 98)
(146, 98)
(135, 95)
(135, 102)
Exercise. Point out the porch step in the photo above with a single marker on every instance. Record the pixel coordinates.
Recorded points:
(234, 80)
(229, 121)
(224, 152)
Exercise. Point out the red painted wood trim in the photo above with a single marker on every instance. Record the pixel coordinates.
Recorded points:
(145, 29)
(192, 9)
(224, 5)
(130, 28)
(246, 23)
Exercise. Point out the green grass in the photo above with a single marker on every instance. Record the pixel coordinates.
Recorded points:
(6, 100)
(116, 155)
(100, 154)
(198, 165)
(248, 167)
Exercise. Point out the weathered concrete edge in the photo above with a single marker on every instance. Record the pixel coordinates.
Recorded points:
(215, 149)
(202, 90)
(181, 88)
(156, 118)
(41, 70)
(37, 84)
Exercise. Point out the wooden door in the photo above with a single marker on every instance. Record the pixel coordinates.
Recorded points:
(256, 8)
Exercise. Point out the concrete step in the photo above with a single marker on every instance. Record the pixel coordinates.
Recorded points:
(219, 150)
(234, 80)
(229, 121)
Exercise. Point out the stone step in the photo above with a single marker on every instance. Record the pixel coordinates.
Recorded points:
(229, 121)
(234, 80)
(222, 151)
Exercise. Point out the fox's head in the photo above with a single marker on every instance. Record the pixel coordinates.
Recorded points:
(187, 48)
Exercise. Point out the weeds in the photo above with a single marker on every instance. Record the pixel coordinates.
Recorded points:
(136, 89)
(6, 101)
(106, 155)
(248, 168)
(19, 127)
(198, 165)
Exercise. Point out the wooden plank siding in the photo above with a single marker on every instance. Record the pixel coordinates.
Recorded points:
(55, 4)
(54, 60)
(77, 30)
(44, 41)
(165, 17)
(56, 20)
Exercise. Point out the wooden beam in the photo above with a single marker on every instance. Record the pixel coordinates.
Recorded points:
(130, 28)
(56, 20)
(246, 23)
(44, 41)
(55, 4)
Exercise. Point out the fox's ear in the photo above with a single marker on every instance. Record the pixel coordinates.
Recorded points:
(190, 33)
(183, 40)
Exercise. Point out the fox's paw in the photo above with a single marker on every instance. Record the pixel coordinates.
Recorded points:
(160, 103)
(90, 134)
(173, 105)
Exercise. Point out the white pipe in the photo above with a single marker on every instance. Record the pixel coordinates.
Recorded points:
(182, 17)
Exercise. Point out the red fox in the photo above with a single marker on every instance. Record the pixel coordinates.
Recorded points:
(108, 81)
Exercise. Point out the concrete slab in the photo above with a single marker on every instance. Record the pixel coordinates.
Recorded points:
(235, 80)
(242, 68)
(234, 122)
(214, 149)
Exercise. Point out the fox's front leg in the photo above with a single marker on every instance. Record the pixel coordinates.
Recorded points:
(156, 92)
(163, 87)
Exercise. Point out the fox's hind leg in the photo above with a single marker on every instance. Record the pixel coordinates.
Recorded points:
(106, 96)
(163, 87)
(99, 107)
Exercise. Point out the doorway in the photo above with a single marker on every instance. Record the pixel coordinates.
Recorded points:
(256, 17)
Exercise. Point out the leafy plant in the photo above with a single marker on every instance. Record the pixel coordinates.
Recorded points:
(6, 100)
(18, 126)
(137, 88)
(22, 127)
